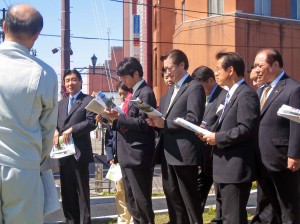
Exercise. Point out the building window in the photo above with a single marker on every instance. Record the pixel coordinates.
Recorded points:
(263, 7)
(295, 9)
(215, 7)
(183, 11)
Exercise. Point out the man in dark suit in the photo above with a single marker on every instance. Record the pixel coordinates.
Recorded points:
(182, 148)
(135, 143)
(235, 139)
(215, 96)
(74, 120)
(279, 143)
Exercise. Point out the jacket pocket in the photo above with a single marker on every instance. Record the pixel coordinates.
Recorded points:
(280, 142)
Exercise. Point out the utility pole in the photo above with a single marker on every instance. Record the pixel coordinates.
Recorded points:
(65, 42)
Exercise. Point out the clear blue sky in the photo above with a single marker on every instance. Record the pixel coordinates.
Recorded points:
(88, 18)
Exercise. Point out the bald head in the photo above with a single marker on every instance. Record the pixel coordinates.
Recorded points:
(22, 21)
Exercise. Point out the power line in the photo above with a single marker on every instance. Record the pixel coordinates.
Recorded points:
(166, 42)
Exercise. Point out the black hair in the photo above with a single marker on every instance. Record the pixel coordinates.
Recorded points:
(73, 71)
(232, 59)
(128, 66)
(272, 56)
(177, 57)
(122, 86)
(203, 73)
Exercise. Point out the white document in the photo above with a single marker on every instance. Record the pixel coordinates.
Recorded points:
(192, 127)
(146, 107)
(289, 112)
(98, 108)
(51, 198)
(114, 173)
(63, 149)
(107, 103)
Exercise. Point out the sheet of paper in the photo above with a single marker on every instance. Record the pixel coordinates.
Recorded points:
(289, 112)
(98, 108)
(146, 107)
(190, 126)
(63, 149)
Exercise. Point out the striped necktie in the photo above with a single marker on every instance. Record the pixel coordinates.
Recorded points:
(264, 96)
(225, 103)
(71, 103)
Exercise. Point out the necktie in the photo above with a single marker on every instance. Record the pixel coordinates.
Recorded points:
(225, 103)
(125, 106)
(207, 100)
(264, 96)
(71, 103)
(176, 88)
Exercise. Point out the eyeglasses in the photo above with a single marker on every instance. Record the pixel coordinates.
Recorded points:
(169, 68)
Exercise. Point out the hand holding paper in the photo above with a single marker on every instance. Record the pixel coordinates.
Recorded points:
(145, 107)
(289, 112)
(191, 126)
(63, 149)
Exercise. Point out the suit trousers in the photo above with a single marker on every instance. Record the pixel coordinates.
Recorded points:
(278, 196)
(138, 192)
(123, 213)
(75, 191)
(234, 201)
(180, 187)
(22, 196)
(218, 217)
(204, 185)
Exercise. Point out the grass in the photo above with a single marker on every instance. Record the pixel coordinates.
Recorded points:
(163, 218)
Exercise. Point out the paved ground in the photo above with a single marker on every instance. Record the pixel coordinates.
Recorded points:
(103, 208)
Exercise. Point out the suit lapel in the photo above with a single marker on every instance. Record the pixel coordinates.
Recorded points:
(275, 92)
(168, 99)
(64, 111)
(231, 102)
(137, 93)
(77, 103)
(212, 100)
(180, 91)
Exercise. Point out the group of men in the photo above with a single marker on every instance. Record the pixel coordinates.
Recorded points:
(247, 141)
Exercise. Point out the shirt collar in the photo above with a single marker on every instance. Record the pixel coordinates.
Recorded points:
(275, 81)
(16, 45)
(75, 96)
(234, 87)
(180, 82)
(137, 85)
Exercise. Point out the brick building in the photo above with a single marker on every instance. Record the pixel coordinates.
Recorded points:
(104, 78)
(137, 33)
(203, 27)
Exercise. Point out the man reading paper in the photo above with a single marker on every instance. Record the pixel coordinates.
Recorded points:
(235, 139)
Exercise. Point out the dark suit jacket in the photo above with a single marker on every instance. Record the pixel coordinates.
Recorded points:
(110, 143)
(82, 121)
(135, 139)
(216, 99)
(235, 157)
(278, 136)
(210, 118)
(181, 146)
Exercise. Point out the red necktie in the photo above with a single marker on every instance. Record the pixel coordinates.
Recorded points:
(125, 106)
